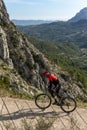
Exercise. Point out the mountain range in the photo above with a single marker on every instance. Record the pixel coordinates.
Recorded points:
(30, 22)
(65, 32)
(82, 14)
(71, 31)
(64, 43)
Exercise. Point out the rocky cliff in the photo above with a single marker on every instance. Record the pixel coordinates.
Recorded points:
(19, 55)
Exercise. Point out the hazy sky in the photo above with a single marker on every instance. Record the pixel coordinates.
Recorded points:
(44, 9)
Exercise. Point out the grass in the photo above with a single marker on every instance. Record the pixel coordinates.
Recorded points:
(13, 93)
(82, 104)
(42, 124)
(8, 125)
(26, 125)
(12, 85)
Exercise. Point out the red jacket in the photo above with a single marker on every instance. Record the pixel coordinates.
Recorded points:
(52, 77)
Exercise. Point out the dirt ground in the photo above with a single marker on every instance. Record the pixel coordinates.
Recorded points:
(15, 114)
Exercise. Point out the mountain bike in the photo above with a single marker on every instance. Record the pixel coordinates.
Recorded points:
(64, 100)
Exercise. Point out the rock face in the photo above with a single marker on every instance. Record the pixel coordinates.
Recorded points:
(4, 17)
(18, 53)
(4, 51)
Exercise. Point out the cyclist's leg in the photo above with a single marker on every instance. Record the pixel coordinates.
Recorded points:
(58, 87)
(52, 94)
(50, 90)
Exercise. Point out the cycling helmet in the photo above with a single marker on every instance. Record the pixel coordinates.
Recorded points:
(46, 73)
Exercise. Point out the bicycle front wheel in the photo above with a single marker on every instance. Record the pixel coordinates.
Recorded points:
(68, 104)
(43, 101)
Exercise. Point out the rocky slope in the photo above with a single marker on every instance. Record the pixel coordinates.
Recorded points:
(18, 57)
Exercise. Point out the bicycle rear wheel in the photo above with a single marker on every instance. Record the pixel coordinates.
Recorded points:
(68, 104)
(43, 101)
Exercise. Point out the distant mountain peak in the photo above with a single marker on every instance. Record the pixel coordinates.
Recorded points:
(84, 9)
(82, 14)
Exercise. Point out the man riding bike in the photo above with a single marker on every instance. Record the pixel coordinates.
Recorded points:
(54, 84)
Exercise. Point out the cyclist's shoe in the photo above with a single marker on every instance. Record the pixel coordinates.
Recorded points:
(55, 103)
(63, 103)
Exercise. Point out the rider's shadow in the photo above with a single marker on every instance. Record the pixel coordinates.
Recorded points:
(30, 114)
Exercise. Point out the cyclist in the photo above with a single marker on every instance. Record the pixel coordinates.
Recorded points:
(54, 84)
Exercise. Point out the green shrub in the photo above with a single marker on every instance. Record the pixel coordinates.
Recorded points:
(4, 82)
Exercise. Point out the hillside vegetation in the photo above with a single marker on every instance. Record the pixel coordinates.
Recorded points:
(64, 43)
(68, 56)
(65, 32)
